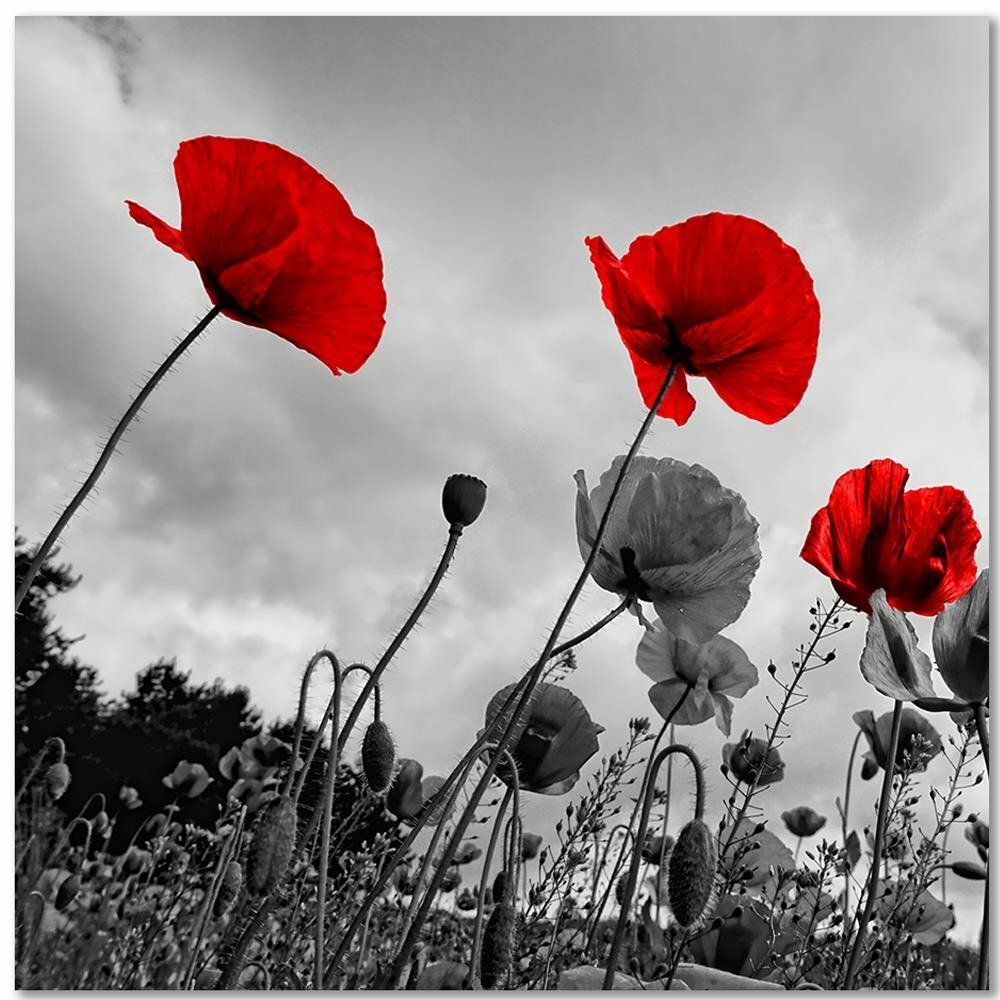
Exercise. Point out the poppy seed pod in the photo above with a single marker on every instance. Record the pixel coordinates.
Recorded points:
(57, 779)
(692, 868)
(229, 888)
(67, 892)
(498, 947)
(463, 499)
(272, 846)
(378, 756)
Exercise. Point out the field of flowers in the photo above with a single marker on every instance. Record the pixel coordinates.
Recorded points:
(308, 870)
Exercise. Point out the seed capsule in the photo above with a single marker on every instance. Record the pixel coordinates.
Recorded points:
(378, 757)
(692, 869)
(463, 499)
(272, 846)
(67, 891)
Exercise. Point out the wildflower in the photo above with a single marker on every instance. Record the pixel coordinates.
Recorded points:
(701, 679)
(267, 752)
(467, 853)
(656, 847)
(891, 660)
(977, 833)
(57, 779)
(750, 755)
(802, 821)
(277, 247)
(466, 900)
(530, 845)
(188, 779)
(554, 738)
(916, 545)
(962, 643)
(129, 797)
(691, 874)
(722, 296)
(918, 740)
(677, 538)
(405, 797)
(463, 499)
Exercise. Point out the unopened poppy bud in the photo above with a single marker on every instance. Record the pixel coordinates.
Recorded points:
(101, 823)
(272, 846)
(621, 887)
(67, 892)
(969, 870)
(229, 888)
(378, 757)
(463, 499)
(692, 869)
(499, 885)
(57, 779)
(498, 947)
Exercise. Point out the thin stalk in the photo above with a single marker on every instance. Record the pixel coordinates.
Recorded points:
(106, 453)
(844, 810)
(983, 973)
(454, 533)
(477, 930)
(439, 796)
(534, 674)
(327, 815)
(640, 834)
(873, 877)
(984, 733)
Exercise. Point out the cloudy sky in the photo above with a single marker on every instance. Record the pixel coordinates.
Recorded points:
(263, 508)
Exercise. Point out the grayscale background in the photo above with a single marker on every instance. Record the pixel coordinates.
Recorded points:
(263, 508)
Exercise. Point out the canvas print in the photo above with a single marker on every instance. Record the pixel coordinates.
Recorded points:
(501, 503)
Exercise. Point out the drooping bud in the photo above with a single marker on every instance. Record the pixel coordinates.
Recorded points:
(499, 885)
(498, 947)
(229, 888)
(67, 891)
(463, 499)
(692, 869)
(378, 757)
(621, 887)
(272, 846)
(57, 779)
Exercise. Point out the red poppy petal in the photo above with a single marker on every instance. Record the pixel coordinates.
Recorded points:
(678, 404)
(639, 325)
(938, 562)
(853, 537)
(167, 235)
(238, 199)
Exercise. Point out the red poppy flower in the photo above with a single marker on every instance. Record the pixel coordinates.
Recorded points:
(278, 247)
(724, 297)
(917, 545)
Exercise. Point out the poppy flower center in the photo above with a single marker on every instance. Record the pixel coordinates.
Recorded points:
(676, 350)
(632, 581)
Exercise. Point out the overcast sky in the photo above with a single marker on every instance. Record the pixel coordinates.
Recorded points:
(263, 508)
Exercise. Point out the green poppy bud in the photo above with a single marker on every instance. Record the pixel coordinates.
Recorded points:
(378, 756)
(57, 779)
(272, 846)
(692, 869)
(498, 947)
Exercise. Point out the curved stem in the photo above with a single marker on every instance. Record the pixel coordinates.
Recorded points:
(454, 533)
(106, 453)
(983, 972)
(873, 875)
(984, 733)
(531, 679)
(844, 811)
(477, 930)
(327, 815)
(596, 627)
(439, 796)
(640, 835)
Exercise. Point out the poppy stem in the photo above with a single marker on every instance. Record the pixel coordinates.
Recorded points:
(983, 974)
(844, 811)
(873, 876)
(531, 679)
(640, 836)
(454, 533)
(326, 820)
(984, 733)
(477, 930)
(109, 449)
